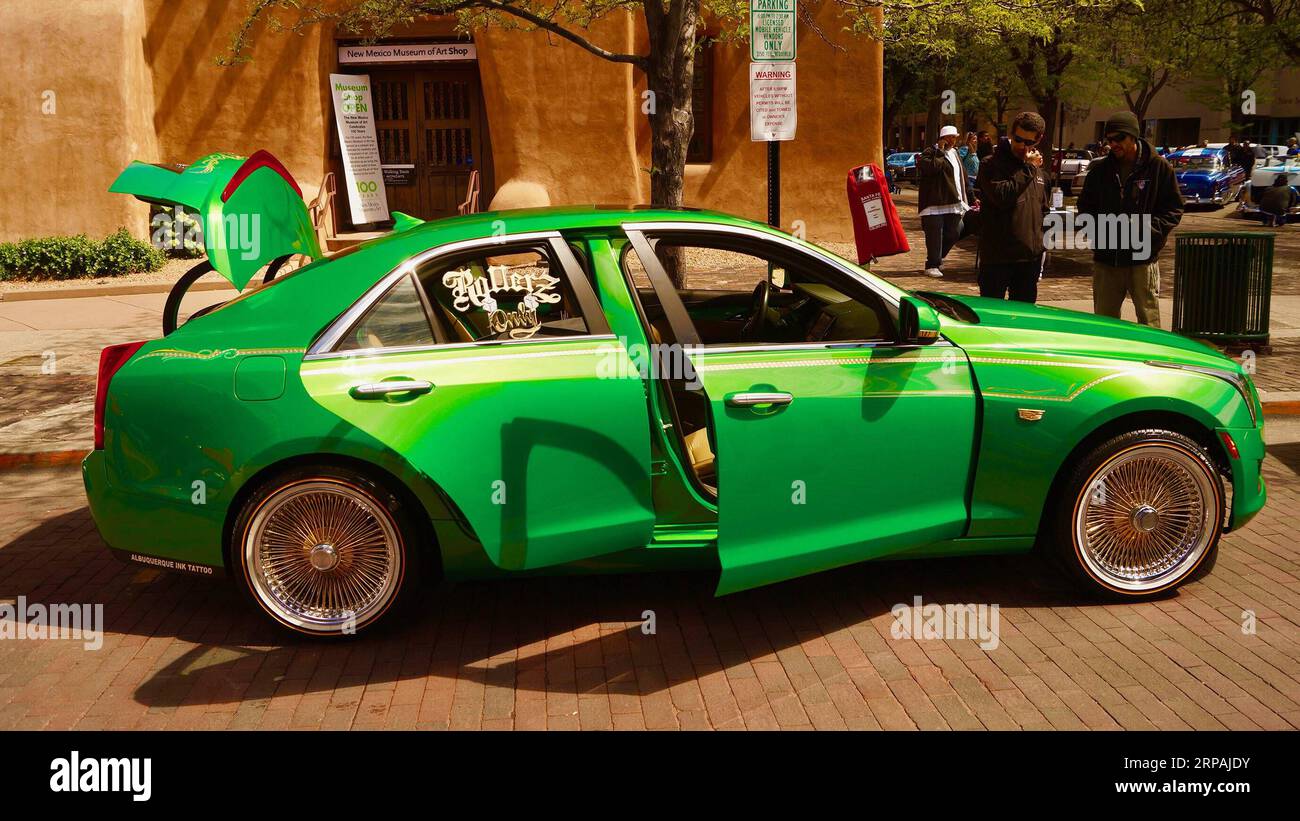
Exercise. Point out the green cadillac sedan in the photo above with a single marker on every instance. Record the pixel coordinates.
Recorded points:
(599, 389)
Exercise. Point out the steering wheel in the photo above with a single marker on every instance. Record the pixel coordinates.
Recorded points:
(758, 316)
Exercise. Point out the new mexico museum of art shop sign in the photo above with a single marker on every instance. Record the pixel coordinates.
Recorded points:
(407, 53)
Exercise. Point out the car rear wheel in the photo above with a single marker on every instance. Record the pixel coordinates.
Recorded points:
(325, 551)
(1139, 514)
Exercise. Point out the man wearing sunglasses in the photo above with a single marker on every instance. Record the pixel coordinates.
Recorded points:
(1135, 189)
(1013, 200)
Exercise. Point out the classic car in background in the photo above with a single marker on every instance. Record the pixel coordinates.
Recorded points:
(1206, 176)
(902, 165)
(1071, 165)
(529, 391)
(1268, 153)
(1261, 179)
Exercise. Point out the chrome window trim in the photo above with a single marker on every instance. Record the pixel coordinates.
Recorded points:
(821, 346)
(485, 345)
(752, 233)
(326, 343)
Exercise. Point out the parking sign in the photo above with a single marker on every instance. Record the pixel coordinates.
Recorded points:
(771, 31)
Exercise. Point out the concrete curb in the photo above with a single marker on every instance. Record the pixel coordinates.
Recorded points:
(42, 459)
(106, 290)
(1285, 408)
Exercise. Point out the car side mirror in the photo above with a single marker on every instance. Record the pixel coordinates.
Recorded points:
(918, 323)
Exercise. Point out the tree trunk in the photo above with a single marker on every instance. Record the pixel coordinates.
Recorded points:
(671, 77)
(670, 74)
(1049, 107)
(934, 115)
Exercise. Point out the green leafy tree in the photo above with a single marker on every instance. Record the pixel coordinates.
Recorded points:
(1237, 53)
(1149, 48)
(981, 49)
(1280, 21)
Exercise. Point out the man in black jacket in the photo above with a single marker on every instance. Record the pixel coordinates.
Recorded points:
(943, 198)
(1132, 198)
(1013, 200)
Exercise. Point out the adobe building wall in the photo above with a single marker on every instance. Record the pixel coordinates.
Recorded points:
(137, 79)
(76, 106)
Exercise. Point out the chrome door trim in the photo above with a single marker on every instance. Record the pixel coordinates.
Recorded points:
(374, 390)
(484, 345)
(708, 350)
(749, 400)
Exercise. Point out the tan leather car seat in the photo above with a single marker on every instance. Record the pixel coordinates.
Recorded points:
(701, 454)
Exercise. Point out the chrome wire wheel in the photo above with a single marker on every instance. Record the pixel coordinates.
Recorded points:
(323, 556)
(1146, 517)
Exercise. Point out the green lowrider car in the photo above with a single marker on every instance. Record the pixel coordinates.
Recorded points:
(599, 389)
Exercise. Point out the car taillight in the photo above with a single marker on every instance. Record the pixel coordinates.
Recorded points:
(111, 359)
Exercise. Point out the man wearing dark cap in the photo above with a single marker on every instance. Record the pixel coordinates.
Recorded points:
(1132, 196)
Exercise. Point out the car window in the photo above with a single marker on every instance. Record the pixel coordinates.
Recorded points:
(512, 293)
(397, 319)
(1196, 162)
(720, 287)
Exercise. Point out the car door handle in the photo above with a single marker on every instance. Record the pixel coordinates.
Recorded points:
(378, 390)
(750, 400)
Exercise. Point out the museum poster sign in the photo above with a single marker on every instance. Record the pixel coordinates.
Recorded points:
(355, 116)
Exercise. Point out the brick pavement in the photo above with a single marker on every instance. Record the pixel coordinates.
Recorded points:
(568, 653)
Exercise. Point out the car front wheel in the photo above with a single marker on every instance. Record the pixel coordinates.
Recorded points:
(1139, 514)
(324, 551)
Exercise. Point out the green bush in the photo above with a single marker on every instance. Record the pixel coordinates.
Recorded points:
(177, 231)
(77, 257)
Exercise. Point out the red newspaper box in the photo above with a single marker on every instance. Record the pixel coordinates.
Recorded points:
(877, 230)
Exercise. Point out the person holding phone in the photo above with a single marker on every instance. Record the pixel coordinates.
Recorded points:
(1013, 201)
(944, 197)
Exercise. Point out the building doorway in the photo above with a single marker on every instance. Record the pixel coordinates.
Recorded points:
(432, 134)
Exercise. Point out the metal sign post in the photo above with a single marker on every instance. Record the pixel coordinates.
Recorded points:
(774, 183)
(772, 110)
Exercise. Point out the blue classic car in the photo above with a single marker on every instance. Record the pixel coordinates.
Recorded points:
(902, 165)
(1206, 176)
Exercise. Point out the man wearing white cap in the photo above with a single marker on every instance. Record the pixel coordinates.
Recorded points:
(944, 197)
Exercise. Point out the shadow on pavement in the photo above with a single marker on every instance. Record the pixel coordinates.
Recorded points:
(561, 633)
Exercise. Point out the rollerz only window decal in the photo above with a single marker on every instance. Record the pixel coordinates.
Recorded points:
(535, 284)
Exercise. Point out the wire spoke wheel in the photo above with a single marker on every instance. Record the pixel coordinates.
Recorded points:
(323, 556)
(1146, 517)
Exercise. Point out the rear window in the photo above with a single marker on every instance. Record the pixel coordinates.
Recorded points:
(396, 320)
(512, 293)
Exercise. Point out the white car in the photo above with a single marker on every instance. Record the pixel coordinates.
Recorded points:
(1073, 168)
(1263, 177)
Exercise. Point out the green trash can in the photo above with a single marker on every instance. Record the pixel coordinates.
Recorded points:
(1222, 286)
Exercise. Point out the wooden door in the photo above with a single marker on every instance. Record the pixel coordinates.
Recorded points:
(450, 135)
(432, 121)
